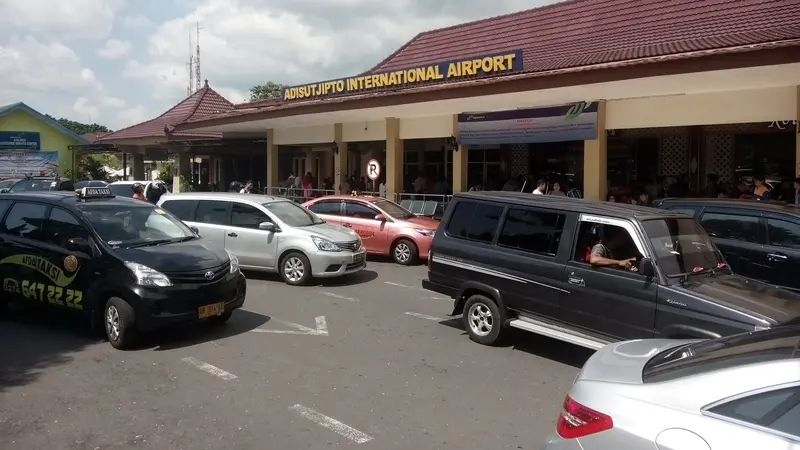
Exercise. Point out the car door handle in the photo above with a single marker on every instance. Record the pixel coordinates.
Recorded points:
(576, 280)
(777, 257)
(347, 225)
(232, 234)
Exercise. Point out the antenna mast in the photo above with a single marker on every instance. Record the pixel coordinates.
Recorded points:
(198, 84)
(190, 66)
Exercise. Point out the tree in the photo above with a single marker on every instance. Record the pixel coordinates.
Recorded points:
(266, 91)
(80, 128)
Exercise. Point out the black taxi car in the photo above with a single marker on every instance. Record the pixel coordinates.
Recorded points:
(125, 263)
(590, 273)
(38, 184)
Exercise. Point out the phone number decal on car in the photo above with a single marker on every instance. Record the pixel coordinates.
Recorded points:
(49, 293)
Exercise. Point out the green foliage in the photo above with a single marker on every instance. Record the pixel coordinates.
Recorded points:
(266, 91)
(186, 184)
(80, 128)
(165, 171)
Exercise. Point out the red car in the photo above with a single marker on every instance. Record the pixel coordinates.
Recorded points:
(385, 227)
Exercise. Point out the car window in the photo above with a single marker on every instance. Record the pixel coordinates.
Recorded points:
(329, 207)
(62, 226)
(717, 354)
(212, 212)
(33, 186)
(67, 186)
(778, 410)
(135, 225)
(475, 221)
(246, 216)
(25, 220)
(121, 190)
(731, 226)
(681, 246)
(358, 210)
(683, 210)
(293, 214)
(4, 204)
(532, 231)
(182, 209)
(782, 233)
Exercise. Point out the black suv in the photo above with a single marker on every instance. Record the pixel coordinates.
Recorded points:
(530, 262)
(760, 240)
(39, 184)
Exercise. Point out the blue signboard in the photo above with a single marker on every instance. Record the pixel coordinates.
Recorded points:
(575, 122)
(20, 140)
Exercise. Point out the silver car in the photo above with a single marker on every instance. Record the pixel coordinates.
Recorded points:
(271, 234)
(741, 391)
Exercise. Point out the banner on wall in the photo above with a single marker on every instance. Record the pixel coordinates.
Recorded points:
(16, 164)
(573, 122)
(20, 140)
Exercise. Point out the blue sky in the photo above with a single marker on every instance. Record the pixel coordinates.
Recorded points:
(119, 62)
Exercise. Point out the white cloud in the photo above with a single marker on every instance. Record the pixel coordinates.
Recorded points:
(137, 21)
(35, 71)
(114, 49)
(131, 116)
(248, 42)
(90, 19)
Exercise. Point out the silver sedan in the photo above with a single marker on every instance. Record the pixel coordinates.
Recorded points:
(741, 391)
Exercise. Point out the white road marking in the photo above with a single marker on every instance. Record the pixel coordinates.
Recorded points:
(415, 288)
(213, 370)
(424, 316)
(332, 424)
(321, 330)
(340, 297)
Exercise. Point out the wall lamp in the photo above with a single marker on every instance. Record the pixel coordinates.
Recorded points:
(452, 142)
(335, 148)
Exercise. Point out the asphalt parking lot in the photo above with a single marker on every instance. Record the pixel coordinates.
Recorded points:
(371, 361)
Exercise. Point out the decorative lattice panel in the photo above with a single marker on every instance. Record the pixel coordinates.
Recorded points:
(672, 155)
(650, 132)
(719, 156)
(742, 128)
(518, 160)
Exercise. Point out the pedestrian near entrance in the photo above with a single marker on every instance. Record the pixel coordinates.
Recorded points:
(248, 188)
(541, 187)
(138, 191)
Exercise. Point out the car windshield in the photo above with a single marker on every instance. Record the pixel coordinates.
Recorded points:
(393, 209)
(34, 185)
(135, 225)
(6, 184)
(293, 214)
(682, 247)
(121, 190)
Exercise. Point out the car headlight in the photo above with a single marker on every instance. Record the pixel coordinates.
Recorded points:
(234, 262)
(146, 276)
(325, 245)
(425, 232)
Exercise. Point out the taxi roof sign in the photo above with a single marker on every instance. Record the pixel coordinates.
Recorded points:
(95, 192)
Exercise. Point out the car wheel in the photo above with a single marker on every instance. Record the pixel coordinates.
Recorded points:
(482, 320)
(220, 319)
(118, 319)
(295, 269)
(405, 252)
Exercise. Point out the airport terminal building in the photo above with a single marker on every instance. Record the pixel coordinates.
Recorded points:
(589, 92)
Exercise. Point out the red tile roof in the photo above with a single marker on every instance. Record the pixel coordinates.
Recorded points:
(93, 137)
(580, 35)
(204, 102)
(587, 32)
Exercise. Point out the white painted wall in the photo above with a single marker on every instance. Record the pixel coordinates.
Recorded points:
(364, 131)
(317, 134)
(426, 127)
(762, 105)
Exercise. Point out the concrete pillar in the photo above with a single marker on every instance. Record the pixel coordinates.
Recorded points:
(273, 177)
(181, 170)
(310, 166)
(137, 166)
(394, 159)
(797, 133)
(339, 159)
(595, 160)
(460, 159)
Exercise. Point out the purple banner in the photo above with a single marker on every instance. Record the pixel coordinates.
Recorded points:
(574, 122)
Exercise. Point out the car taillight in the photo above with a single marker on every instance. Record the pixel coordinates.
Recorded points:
(577, 420)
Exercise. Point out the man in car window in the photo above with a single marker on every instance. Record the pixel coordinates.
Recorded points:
(602, 254)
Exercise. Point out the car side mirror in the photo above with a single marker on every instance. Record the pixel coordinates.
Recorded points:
(4, 190)
(194, 230)
(380, 217)
(79, 245)
(646, 268)
(268, 226)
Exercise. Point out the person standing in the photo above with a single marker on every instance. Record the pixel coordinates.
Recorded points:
(138, 191)
(541, 187)
(248, 188)
(557, 190)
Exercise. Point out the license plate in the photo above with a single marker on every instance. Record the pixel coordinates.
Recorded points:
(214, 309)
(359, 257)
